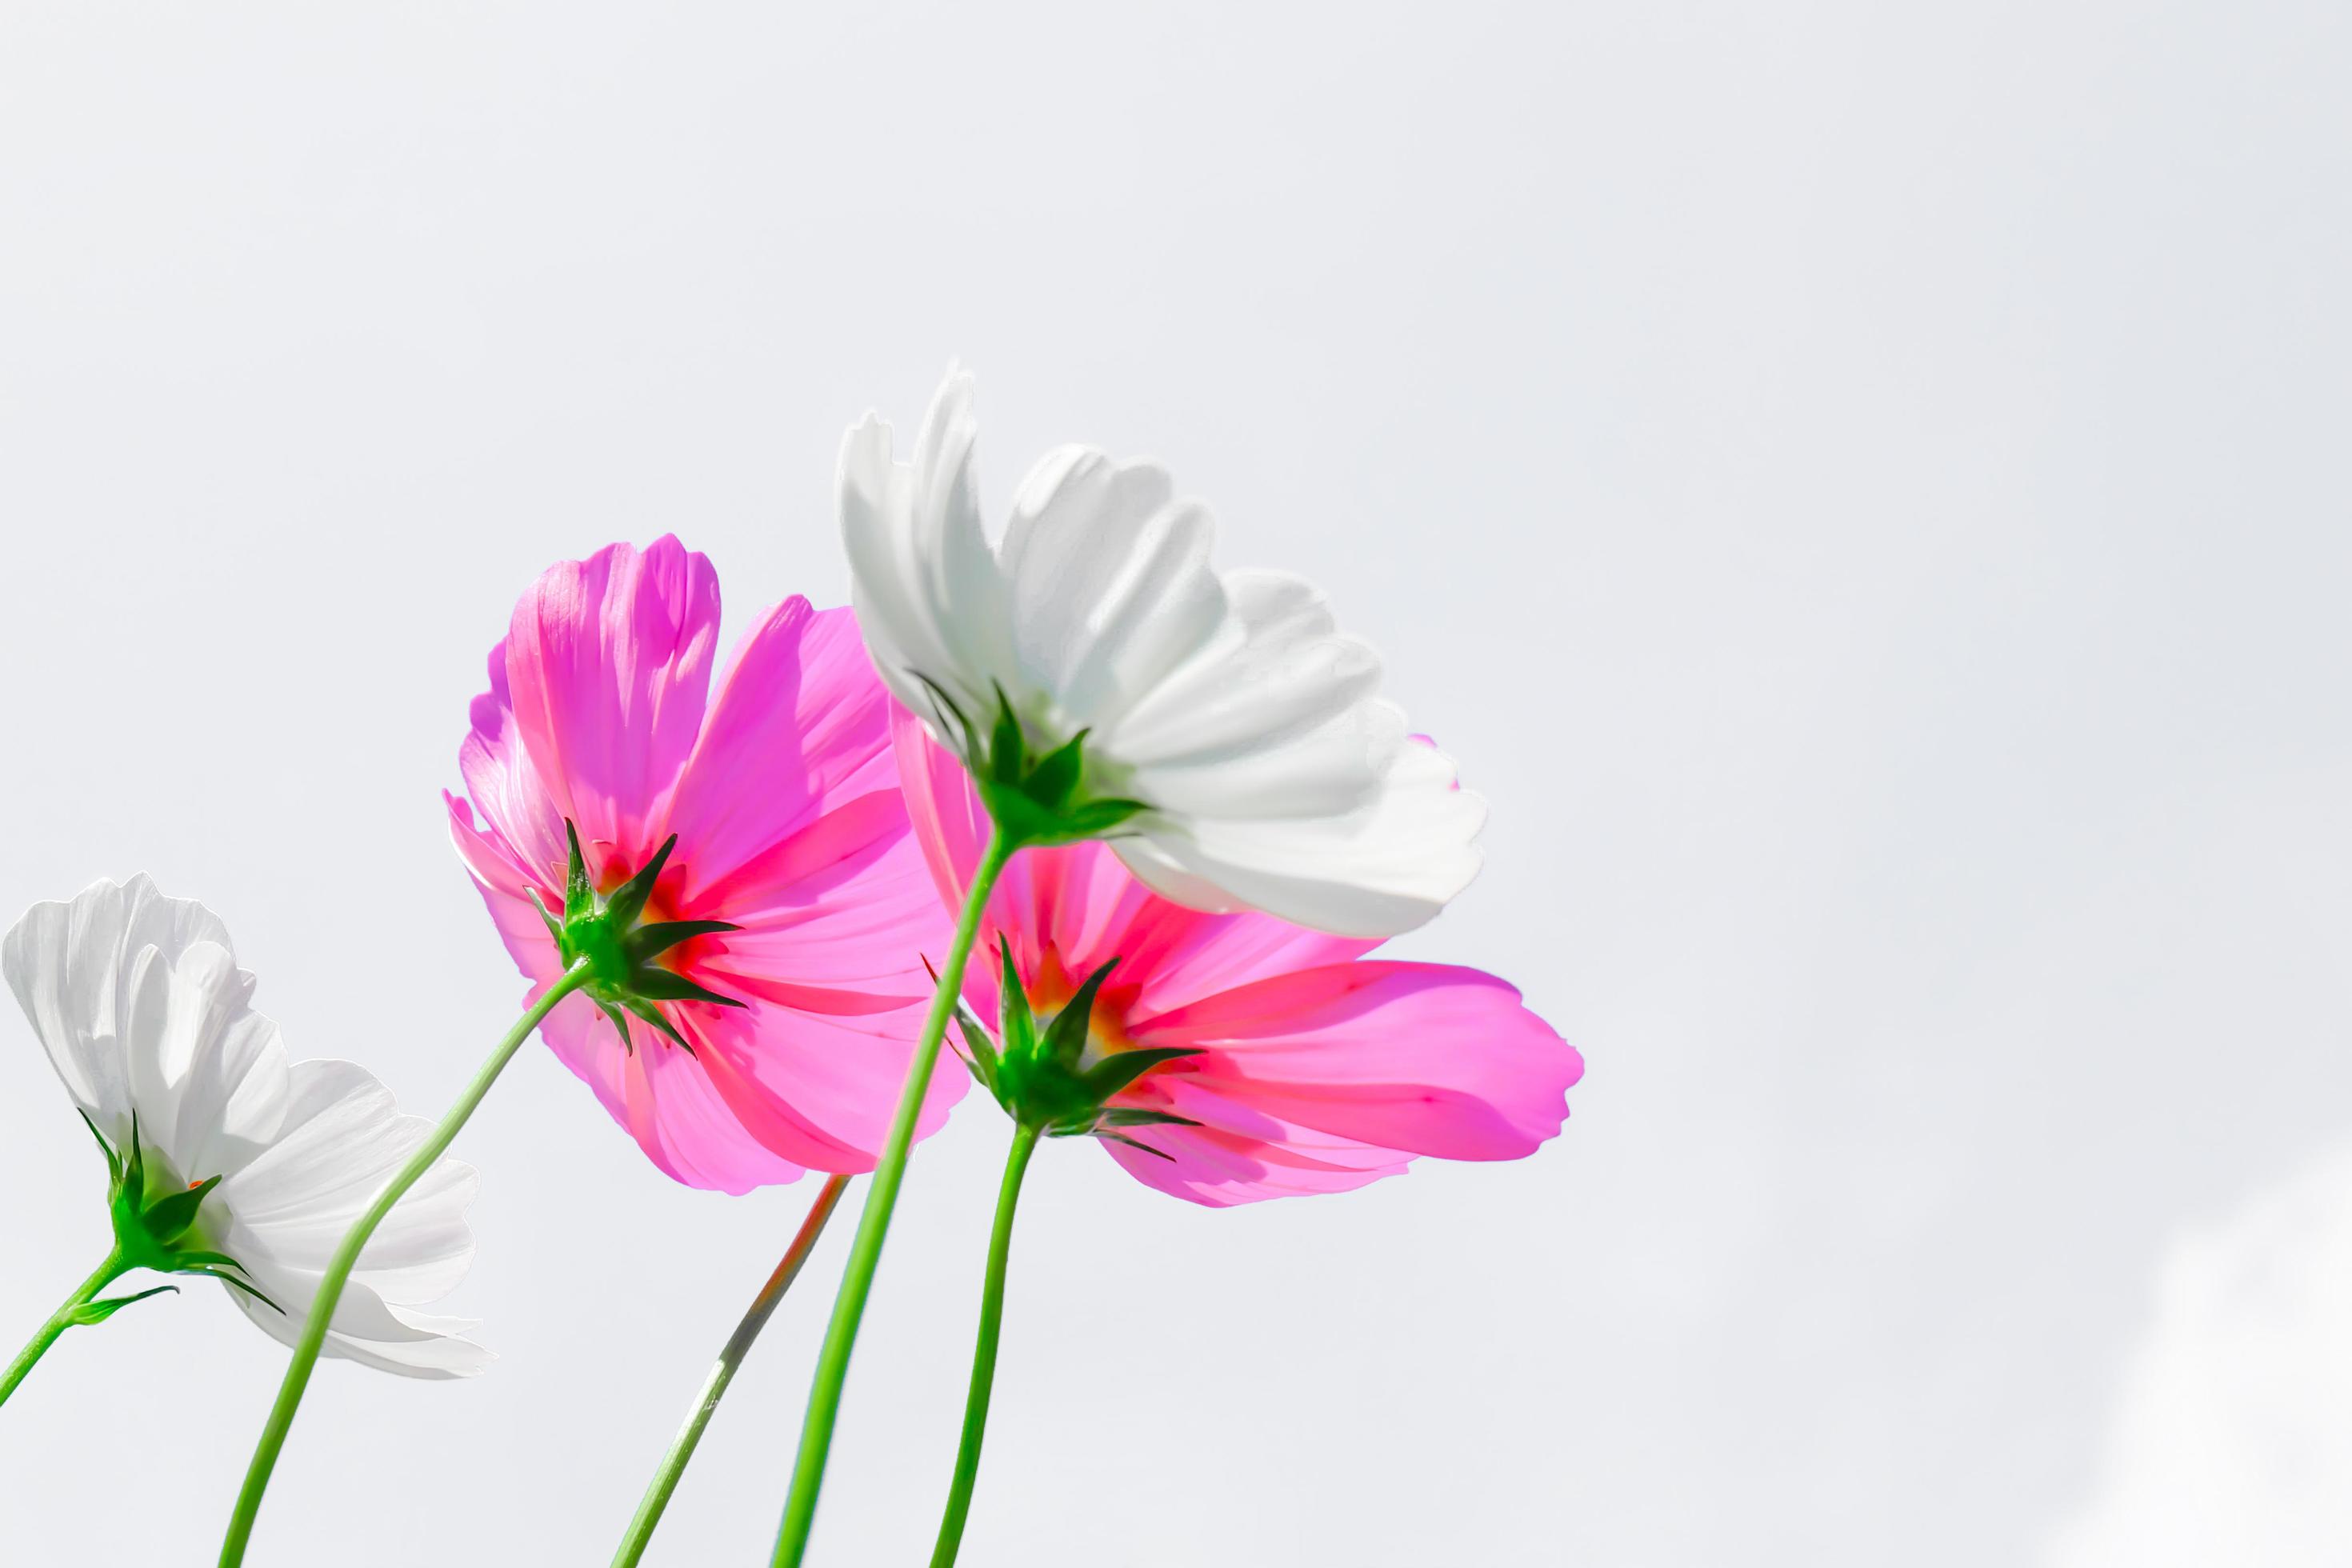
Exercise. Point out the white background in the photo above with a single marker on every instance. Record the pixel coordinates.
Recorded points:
(1861, 489)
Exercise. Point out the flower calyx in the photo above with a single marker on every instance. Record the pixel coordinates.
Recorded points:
(1037, 1070)
(155, 1226)
(1033, 797)
(607, 931)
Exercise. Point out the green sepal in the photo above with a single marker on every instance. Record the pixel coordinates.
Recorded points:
(949, 710)
(628, 900)
(1055, 777)
(1097, 817)
(113, 1160)
(651, 940)
(211, 1259)
(158, 1233)
(1015, 1024)
(98, 1311)
(624, 980)
(1065, 1037)
(1135, 1144)
(1032, 798)
(659, 1020)
(1116, 1071)
(133, 1185)
(235, 1282)
(1035, 1075)
(1140, 1115)
(669, 985)
(554, 926)
(978, 1051)
(168, 1219)
(579, 897)
(978, 1054)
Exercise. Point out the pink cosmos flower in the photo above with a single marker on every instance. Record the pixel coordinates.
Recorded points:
(782, 791)
(1318, 1070)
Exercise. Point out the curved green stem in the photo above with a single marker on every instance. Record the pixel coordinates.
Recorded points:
(347, 1254)
(866, 1251)
(722, 1373)
(983, 1353)
(60, 1320)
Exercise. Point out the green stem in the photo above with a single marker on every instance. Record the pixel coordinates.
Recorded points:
(866, 1251)
(60, 1320)
(722, 1373)
(983, 1353)
(347, 1254)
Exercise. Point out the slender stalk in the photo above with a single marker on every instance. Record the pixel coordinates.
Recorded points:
(983, 1353)
(722, 1373)
(347, 1254)
(874, 1223)
(60, 1320)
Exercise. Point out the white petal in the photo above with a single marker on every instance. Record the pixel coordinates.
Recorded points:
(1233, 707)
(1378, 872)
(342, 1140)
(81, 969)
(924, 583)
(409, 1344)
(140, 1002)
(1281, 672)
(286, 1212)
(1111, 585)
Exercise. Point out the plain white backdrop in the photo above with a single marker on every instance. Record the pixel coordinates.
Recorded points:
(1862, 489)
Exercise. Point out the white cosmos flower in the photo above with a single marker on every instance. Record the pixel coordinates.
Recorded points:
(140, 1002)
(1228, 703)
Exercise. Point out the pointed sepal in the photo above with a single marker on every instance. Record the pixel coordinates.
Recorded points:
(579, 897)
(1042, 1078)
(158, 1230)
(1053, 796)
(1135, 1144)
(105, 1307)
(626, 978)
(1065, 1037)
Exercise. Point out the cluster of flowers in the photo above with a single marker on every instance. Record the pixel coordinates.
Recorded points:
(1160, 809)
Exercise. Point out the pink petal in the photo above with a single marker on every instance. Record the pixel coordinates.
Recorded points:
(504, 787)
(684, 1120)
(608, 662)
(783, 792)
(1419, 1058)
(583, 1041)
(821, 1090)
(799, 725)
(1218, 1170)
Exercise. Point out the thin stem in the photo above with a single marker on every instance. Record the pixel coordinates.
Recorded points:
(866, 1251)
(347, 1254)
(722, 1373)
(983, 1353)
(60, 1320)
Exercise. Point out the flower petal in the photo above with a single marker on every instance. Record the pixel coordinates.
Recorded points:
(1385, 868)
(1418, 1058)
(608, 664)
(926, 586)
(70, 965)
(283, 1215)
(799, 725)
(1111, 585)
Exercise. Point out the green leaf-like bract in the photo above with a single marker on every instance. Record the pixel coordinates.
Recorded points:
(622, 950)
(1038, 1076)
